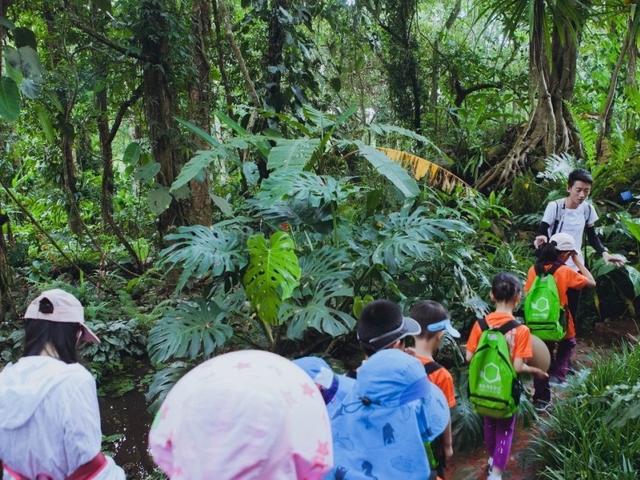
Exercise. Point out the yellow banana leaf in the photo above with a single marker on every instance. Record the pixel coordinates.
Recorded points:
(436, 175)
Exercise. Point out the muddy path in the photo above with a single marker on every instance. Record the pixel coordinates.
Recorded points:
(522, 464)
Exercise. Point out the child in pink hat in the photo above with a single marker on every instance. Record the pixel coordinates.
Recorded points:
(49, 415)
(241, 416)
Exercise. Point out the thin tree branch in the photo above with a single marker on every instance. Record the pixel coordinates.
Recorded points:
(124, 106)
(108, 42)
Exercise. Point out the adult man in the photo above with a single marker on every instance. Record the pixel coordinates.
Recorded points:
(575, 215)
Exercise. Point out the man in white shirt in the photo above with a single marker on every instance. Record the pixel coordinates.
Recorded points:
(575, 215)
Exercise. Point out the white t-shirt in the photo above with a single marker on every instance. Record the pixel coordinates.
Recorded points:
(570, 220)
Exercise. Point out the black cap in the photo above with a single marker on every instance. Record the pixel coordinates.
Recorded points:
(382, 323)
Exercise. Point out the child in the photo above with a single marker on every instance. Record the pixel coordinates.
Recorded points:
(49, 416)
(498, 432)
(379, 430)
(381, 425)
(243, 415)
(332, 387)
(435, 322)
(552, 256)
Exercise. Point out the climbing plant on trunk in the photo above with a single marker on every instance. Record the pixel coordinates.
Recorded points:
(555, 30)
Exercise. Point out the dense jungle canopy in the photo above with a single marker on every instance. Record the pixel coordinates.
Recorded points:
(210, 175)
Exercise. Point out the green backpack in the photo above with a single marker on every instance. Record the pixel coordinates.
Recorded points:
(494, 387)
(543, 313)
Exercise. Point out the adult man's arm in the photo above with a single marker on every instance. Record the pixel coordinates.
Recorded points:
(596, 242)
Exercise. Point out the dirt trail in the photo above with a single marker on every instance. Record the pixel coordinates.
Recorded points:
(522, 465)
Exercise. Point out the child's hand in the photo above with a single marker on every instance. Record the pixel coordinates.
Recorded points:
(410, 351)
(448, 451)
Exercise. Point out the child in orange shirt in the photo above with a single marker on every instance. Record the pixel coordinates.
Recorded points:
(552, 257)
(498, 432)
(435, 322)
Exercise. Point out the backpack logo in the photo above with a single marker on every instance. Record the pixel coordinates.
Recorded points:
(541, 305)
(491, 373)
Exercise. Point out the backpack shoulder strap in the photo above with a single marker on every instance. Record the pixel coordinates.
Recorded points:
(507, 327)
(558, 218)
(482, 322)
(432, 367)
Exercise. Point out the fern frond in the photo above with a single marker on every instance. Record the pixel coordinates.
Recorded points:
(436, 175)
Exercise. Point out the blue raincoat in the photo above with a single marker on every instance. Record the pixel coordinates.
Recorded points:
(380, 428)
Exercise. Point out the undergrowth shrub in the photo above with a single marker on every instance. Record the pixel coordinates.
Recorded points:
(594, 432)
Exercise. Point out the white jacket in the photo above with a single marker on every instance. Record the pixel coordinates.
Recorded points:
(49, 419)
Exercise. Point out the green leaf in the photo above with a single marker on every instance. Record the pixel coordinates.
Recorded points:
(132, 154)
(292, 153)
(251, 173)
(147, 172)
(9, 99)
(198, 131)
(45, 123)
(322, 288)
(193, 168)
(272, 275)
(191, 330)
(205, 251)
(163, 381)
(24, 37)
(406, 238)
(6, 23)
(159, 200)
(224, 206)
(634, 276)
(633, 226)
(389, 169)
(25, 60)
(359, 303)
(232, 124)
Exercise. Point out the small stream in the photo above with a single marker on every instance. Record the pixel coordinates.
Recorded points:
(125, 427)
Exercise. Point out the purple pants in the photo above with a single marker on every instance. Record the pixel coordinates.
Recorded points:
(560, 362)
(498, 436)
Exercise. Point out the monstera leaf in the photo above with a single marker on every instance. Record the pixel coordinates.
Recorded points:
(205, 251)
(318, 313)
(322, 289)
(191, 330)
(272, 275)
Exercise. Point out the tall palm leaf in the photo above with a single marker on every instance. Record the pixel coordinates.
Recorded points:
(436, 175)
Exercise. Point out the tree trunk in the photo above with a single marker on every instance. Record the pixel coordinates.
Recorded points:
(6, 273)
(551, 127)
(108, 185)
(217, 21)
(159, 104)
(199, 105)
(628, 44)
(64, 125)
(274, 57)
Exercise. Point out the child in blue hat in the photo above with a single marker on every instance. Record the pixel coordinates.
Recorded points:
(332, 387)
(380, 427)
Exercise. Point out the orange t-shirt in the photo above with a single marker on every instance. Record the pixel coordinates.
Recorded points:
(518, 339)
(442, 379)
(565, 278)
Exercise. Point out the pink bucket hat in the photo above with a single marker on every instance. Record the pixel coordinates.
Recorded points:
(247, 415)
(63, 308)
